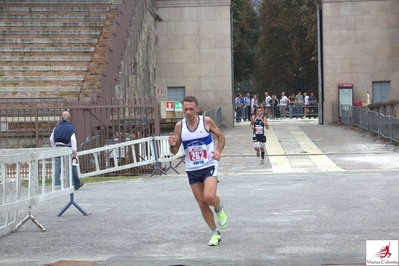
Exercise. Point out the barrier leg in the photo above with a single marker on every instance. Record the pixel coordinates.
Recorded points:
(171, 167)
(27, 218)
(157, 168)
(182, 160)
(72, 202)
(156, 159)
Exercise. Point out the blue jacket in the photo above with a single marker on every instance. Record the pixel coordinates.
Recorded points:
(63, 132)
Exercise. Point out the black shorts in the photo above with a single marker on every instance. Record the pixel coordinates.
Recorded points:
(199, 176)
(259, 139)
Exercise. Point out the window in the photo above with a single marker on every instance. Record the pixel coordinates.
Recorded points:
(381, 91)
(176, 93)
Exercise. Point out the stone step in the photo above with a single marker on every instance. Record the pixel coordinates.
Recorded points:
(48, 32)
(41, 64)
(24, 100)
(41, 89)
(42, 68)
(44, 58)
(48, 41)
(51, 24)
(40, 78)
(19, 9)
(56, 2)
(45, 49)
(38, 96)
(57, 17)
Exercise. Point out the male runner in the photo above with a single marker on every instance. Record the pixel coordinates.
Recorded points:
(258, 124)
(195, 133)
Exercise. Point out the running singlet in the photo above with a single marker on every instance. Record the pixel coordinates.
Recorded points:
(198, 146)
(259, 128)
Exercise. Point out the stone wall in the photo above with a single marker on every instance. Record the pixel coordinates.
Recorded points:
(360, 46)
(143, 79)
(193, 50)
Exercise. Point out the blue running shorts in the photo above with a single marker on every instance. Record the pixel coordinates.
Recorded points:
(199, 176)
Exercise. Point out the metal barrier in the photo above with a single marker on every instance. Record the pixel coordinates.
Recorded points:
(395, 129)
(146, 151)
(32, 165)
(363, 119)
(140, 152)
(384, 126)
(164, 156)
(292, 111)
(215, 114)
(18, 165)
(371, 121)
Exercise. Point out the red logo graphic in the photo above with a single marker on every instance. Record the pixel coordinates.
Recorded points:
(170, 105)
(384, 252)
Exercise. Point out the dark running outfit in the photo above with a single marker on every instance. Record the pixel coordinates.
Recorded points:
(259, 131)
(259, 137)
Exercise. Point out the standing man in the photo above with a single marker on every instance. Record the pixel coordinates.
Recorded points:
(63, 135)
(268, 104)
(299, 105)
(242, 102)
(237, 104)
(247, 107)
(306, 104)
(254, 104)
(258, 125)
(194, 132)
(283, 102)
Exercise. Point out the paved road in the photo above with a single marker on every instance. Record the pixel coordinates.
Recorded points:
(323, 191)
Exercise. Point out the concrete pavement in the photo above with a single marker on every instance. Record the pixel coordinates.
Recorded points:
(323, 191)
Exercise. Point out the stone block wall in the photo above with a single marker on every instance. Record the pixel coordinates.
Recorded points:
(193, 50)
(360, 46)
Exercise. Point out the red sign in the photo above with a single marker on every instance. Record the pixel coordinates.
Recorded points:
(345, 85)
(170, 106)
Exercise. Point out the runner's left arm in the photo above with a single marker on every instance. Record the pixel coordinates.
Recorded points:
(213, 128)
(266, 122)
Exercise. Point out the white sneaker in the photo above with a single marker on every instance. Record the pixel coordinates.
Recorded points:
(262, 161)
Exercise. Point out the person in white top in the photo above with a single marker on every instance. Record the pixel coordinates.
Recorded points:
(194, 132)
(306, 103)
(254, 104)
(268, 106)
(283, 103)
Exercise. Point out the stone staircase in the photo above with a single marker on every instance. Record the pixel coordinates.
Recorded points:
(52, 51)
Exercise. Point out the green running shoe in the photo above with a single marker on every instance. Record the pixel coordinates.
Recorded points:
(215, 239)
(222, 218)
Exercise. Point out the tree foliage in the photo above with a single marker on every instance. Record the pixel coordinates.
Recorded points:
(287, 42)
(245, 37)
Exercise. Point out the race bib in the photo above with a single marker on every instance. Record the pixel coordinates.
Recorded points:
(258, 130)
(198, 154)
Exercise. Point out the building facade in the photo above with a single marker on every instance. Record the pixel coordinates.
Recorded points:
(359, 45)
(194, 53)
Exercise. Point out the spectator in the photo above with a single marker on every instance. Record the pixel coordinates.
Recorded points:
(298, 110)
(237, 104)
(63, 135)
(283, 104)
(254, 104)
(267, 104)
(291, 105)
